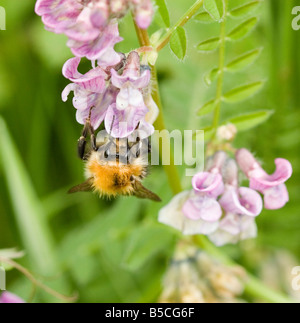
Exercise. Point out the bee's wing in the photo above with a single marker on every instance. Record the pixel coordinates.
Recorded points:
(143, 193)
(84, 187)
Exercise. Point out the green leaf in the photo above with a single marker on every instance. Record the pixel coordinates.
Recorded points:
(243, 29)
(243, 61)
(178, 43)
(244, 10)
(215, 8)
(207, 108)
(211, 76)
(164, 12)
(29, 213)
(204, 17)
(145, 243)
(209, 44)
(251, 120)
(242, 92)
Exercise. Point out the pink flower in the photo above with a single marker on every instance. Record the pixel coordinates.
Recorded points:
(143, 12)
(9, 298)
(234, 228)
(208, 184)
(173, 215)
(202, 206)
(91, 96)
(86, 23)
(272, 186)
(239, 200)
(130, 110)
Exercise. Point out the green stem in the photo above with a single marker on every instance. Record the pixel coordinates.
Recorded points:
(171, 170)
(181, 22)
(37, 283)
(254, 287)
(221, 70)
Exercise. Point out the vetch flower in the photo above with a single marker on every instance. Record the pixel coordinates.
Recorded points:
(234, 228)
(87, 24)
(91, 96)
(130, 110)
(143, 12)
(9, 298)
(100, 49)
(174, 216)
(201, 205)
(239, 200)
(272, 186)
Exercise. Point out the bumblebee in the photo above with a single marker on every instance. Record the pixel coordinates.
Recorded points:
(114, 166)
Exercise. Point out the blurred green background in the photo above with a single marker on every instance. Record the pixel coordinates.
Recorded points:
(115, 251)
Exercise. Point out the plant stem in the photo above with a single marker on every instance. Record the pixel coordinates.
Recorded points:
(181, 22)
(253, 287)
(221, 69)
(171, 170)
(37, 283)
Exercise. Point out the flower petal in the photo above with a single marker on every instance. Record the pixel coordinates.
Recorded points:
(93, 81)
(234, 228)
(9, 298)
(172, 214)
(281, 175)
(208, 183)
(242, 201)
(202, 207)
(276, 197)
(121, 124)
(98, 49)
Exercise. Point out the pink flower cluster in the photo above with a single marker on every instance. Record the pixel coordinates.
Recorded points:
(218, 207)
(92, 25)
(116, 96)
(116, 90)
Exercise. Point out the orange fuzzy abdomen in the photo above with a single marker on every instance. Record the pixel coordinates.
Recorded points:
(113, 180)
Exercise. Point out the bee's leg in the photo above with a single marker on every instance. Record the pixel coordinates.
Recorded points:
(88, 130)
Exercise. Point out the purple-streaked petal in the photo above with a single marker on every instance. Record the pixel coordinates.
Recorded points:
(208, 184)
(139, 82)
(241, 201)
(276, 197)
(281, 175)
(9, 298)
(121, 124)
(202, 207)
(93, 81)
(98, 48)
(58, 15)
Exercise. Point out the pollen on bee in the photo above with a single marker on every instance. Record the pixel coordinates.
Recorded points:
(112, 179)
